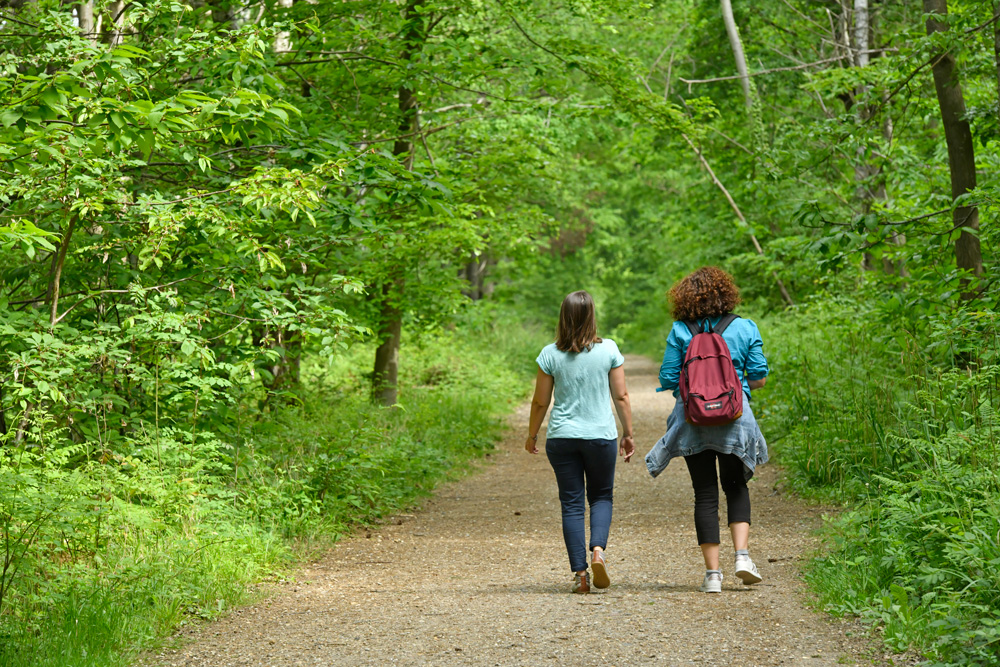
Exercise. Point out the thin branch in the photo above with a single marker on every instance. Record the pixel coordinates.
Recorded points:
(121, 291)
(358, 56)
(7, 17)
(433, 130)
(766, 71)
(182, 199)
(529, 38)
(739, 214)
(731, 140)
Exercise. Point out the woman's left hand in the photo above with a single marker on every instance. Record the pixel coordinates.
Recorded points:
(626, 447)
(531, 445)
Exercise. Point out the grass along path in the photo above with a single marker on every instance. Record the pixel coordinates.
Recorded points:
(479, 576)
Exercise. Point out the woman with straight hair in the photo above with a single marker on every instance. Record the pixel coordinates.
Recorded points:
(700, 301)
(582, 373)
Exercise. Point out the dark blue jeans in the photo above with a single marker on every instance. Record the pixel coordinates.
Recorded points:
(583, 467)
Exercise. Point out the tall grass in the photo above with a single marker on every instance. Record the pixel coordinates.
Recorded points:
(125, 553)
(909, 442)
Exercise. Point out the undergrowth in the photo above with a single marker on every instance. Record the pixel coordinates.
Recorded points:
(905, 435)
(107, 552)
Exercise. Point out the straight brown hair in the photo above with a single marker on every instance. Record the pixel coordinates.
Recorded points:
(577, 330)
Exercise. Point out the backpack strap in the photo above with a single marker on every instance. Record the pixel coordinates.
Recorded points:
(697, 327)
(724, 322)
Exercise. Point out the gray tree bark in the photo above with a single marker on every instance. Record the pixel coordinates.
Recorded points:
(116, 23)
(737, 46)
(961, 152)
(862, 27)
(85, 17)
(283, 41)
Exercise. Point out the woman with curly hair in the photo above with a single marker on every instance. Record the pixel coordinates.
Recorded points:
(702, 299)
(584, 374)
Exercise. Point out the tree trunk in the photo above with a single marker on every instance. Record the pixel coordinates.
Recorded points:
(961, 153)
(863, 170)
(85, 17)
(737, 46)
(283, 41)
(861, 29)
(996, 46)
(386, 375)
(116, 15)
(386, 371)
(475, 273)
(55, 276)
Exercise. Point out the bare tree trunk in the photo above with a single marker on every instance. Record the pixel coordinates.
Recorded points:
(386, 375)
(386, 372)
(283, 41)
(737, 46)
(475, 273)
(863, 171)
(116, 30)
(85, 17)
(862, 26)
(961, 152)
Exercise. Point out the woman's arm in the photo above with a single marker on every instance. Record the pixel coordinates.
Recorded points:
(756, 363)
(673, 359)
(539, 406)
(619, 393)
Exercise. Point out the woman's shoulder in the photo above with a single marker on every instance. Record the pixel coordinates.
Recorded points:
(747, 325)
(549, 350)
(680, 329)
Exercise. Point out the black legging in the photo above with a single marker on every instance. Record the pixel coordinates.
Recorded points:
(706, 492)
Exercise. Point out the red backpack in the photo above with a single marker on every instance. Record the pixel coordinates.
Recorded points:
(710, 389)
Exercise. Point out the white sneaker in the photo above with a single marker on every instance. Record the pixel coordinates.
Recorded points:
(746, 571)
(712, 583)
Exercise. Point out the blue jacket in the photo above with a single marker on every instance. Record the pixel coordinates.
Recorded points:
(745, 347)
(742, 437)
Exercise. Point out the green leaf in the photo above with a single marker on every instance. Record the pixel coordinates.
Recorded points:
(9, 117)
(52, 98)
(145, 140)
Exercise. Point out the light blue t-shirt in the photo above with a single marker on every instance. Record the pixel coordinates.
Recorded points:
(581, 390)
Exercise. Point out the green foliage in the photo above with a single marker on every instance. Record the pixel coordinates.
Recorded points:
(208, 217)
(116, 551)
(873, 420)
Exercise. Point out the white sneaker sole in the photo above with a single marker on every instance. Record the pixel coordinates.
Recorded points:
(710, 590)
(748, 577)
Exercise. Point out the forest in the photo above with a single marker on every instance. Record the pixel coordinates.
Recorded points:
(273, 268)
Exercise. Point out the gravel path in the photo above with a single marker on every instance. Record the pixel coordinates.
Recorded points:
(479, 576)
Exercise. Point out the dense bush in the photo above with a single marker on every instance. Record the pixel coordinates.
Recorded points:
(910, 443)
(110, 553)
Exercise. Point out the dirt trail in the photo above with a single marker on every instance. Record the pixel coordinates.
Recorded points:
(479, 576)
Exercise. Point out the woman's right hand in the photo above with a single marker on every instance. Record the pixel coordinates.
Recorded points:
(626, 447)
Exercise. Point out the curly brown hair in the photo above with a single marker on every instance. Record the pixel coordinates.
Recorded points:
(707, 292)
